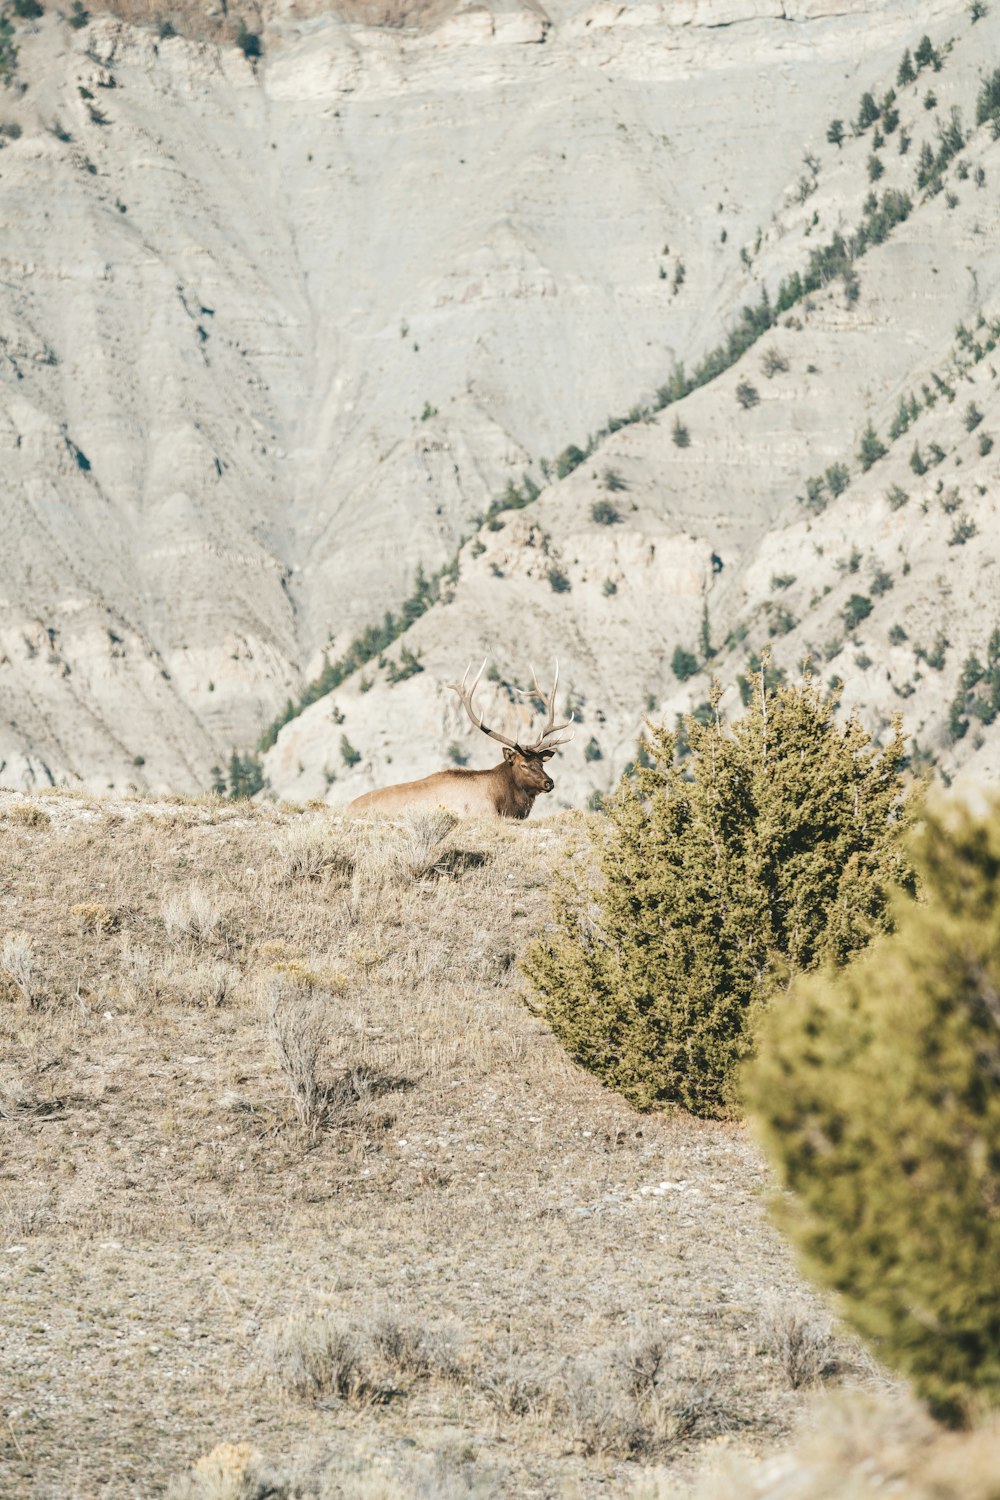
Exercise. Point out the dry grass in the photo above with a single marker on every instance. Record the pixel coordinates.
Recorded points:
(853, 1448)
(267, 1080)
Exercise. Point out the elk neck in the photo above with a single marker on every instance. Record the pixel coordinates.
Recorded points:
(512, 801)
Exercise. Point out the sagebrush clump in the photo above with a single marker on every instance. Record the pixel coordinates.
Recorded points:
(771, 849)
(877, 1094)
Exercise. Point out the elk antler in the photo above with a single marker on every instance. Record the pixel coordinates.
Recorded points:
(466, 695)
(545, 740)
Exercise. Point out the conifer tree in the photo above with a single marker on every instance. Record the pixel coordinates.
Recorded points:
(878, 1093)
(770, 850)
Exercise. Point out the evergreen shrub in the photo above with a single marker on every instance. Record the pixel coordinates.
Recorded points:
(770, 850)
(877, 1093)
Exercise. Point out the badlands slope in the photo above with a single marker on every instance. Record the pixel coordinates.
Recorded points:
(272, 336)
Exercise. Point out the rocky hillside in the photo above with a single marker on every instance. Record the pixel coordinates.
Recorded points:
(277, 332)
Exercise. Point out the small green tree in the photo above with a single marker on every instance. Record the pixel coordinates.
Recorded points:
(838, 477)
(857, 608)
(835, 133)
(868, 112)
(246, 776)
(988, 99)
(876, 1090)
(872, 448)
(925, 54)
(8, 49)
(569, 459)
(770, 850)
(249, 44)
(906, 72)
(683, 664)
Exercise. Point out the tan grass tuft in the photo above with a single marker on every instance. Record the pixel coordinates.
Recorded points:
(28, 815)
(18, 963)
(96, 917)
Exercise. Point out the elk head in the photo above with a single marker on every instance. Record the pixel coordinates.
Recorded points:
(525, 763)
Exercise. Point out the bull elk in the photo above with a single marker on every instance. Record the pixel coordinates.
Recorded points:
(507, 790)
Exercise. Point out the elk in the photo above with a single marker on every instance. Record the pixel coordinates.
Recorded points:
(507, 790)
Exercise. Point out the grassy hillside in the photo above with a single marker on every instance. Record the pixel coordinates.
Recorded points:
(460, 1262)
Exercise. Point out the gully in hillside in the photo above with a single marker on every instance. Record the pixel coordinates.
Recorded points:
(505, 791)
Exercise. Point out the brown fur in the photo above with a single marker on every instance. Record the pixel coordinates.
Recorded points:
(507, 790)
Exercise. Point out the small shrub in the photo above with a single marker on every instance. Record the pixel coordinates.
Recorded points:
(317, 1354)
(96, 917)
(609, 588)
(592, 750)
(604, 513)
(613, 481)
(773, 363)
(896, 497)
(857, 608)
(835, 133)
(876, 168)
(425, 829)
(881, 582)
(917, 461)
(78, 16)
(305, 851)
(428, 412)
(802, 1346)
(935, 657)
(298, 1027)
(193, 914)
(559, 581)
(569, 459)
(838, 477)
(680, 434)
(897, 635)
(28, 814)
(348, 754)
(876, 1091)
(683, 664)
(747, 395)
(19, 966)
(972, 417)
(963, 531)
(985, 444)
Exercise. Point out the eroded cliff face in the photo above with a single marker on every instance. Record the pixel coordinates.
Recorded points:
(273, 335)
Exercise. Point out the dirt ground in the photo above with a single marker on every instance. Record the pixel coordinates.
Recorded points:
(195, 1207)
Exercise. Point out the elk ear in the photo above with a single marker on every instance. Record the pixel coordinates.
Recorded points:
(547, 754)
(508, 754)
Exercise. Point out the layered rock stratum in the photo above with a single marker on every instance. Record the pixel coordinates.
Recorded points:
(276, 332)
